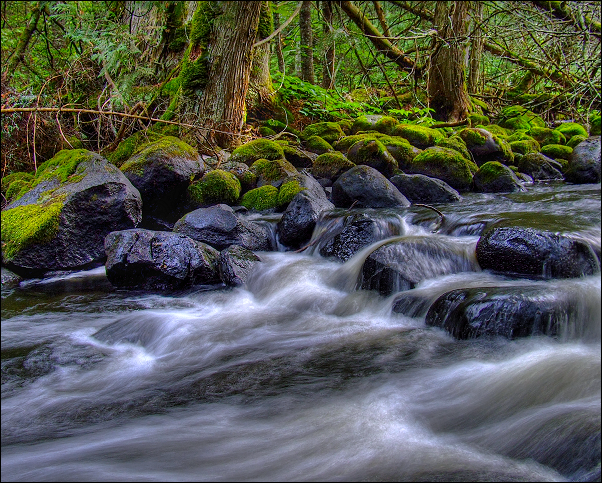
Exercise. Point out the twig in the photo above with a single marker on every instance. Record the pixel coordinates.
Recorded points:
(442, 216)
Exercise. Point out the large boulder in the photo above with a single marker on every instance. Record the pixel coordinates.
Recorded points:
(525, 251)
(300, 216)
(235, 264)
(374, 154)
(367, 188)
(219, 227)
(257, 149)
(445, 164)
(418, 188)
(146, 259)
(401, 265)
(60, 222)
(494, 177)
(216, 186)
(485, 146)
(161, 171)
(584, 162)
(272, 171)
(331, 165)
(511, 312)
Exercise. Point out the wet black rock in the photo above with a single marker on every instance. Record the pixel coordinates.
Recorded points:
(419, 188)
(146, 259)
(525, 251)
(540, 167)
(220, 227)
(235, 264)
(511, 312)
(584, 163)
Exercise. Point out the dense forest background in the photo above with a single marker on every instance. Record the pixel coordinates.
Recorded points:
(90, 74)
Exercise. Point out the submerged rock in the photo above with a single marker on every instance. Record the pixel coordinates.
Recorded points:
(146, 259)
(511, 312)
(525, 251)
(60, 222)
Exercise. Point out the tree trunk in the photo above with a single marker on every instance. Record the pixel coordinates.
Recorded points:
(307, 57)
(260, 82)
(19, 52)
(278, 44)
(328, 64)
(223, 108)
(475, 76)
(446, 84)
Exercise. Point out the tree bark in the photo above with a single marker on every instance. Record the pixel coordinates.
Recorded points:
(329, 55)
(223, 107)
(446, 83)
(260, 80)
(19, 52)
(278, 44)
(476, 50)
(306, 39)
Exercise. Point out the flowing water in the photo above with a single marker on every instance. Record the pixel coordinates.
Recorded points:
(299, 376)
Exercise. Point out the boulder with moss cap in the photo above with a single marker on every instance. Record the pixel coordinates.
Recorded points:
(569, 129)
(419, 136)
(59, 222)
(331, 166)
(557, 151)
(216, 186)
(540, 167)
(374, 154)
(545, 135)
(162, 171)
(445, 164)
(329, 131)
(272, 171)
(494, 177)
(418, 188)
(484, 146)
(258, 149)
(401, 150)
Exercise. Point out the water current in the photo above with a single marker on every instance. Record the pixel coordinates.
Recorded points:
(301, 376)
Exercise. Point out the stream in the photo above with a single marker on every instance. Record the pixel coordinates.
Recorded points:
(301, 376)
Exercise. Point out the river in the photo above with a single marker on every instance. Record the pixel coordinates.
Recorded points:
(299, 376)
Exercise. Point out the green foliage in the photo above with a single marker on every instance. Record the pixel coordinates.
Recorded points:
(418, 115)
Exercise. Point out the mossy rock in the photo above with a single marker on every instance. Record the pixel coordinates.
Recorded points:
(266, 131)
(594, 125)
(258, 149)
(545, 135)
(278, 126)
(520, 135)
(401, 149)
(494, 177)
(247, 178)
(557, 151)
(478, 120)
(318, 145)
(346, 125)
(447, 165)
(164, 147)
(474, 136)
(260, 199)
(374, 154)
(479, 105)
(518, 117)
(457, 143)
(575, 140)
(386, 124)
(287, 192)
(419, 136)
(272, 171)
(525, 146)
(14, 185)
(495, 129)
(365, 123)
(570, 129)
(216, 186)
(331, 165)
(298, 157)
(344, 144)
(329, 131)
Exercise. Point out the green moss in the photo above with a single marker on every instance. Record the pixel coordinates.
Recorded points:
(363, 123)
(594, 124)
(129, 145)
(274, 124)
(544, 135)
(575, 140)
(263, 198)
(473, 136)
(507, 153)
(266, 131)
(329, 131)
(18, 176)
(63, 166)
(400, 149)
(386, 124)
(491, 170)
(287, 192)
(478, 119)
(419, 136)
(570, 129)
(517, 117)
(495, 129)
(266, 21)
(457, 143)
(331, 165)
(28, 225)
(520, 135)
(557, 151)
(258, 149)
(525, 146)
(202, 22)
(17, 189)
(344, 144)
(273, 169)
(346, 125)
(165, 146)
(317, 144)
(217, 186)
(447, 165)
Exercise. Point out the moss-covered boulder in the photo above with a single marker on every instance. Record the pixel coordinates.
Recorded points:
(575, 140)
(485, 146)
(258, 149)
(374, 154)
(401, 149)
(419, 136)
(457, 143)
(365, 187)
(159, 260)
(162, 171)
(131, 144)
(289, 189)
(570, 129)
(331, 166)
(329, 131)
(526, 146)
(540, 167)
(216, 186)
(318, 145)
(478, 120)
(557, 151)
(247, 178)
(345, 143)
(386, 125)
(594, 124)
(260, 199)
(584, 164)
(494, 177)
(278, 126)
(445, 164)
(496, 130)
(299, 157)
(545, 135)
(14, 185)
(365, 123)
(59, 222)
(346, 125)
(272, 171)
